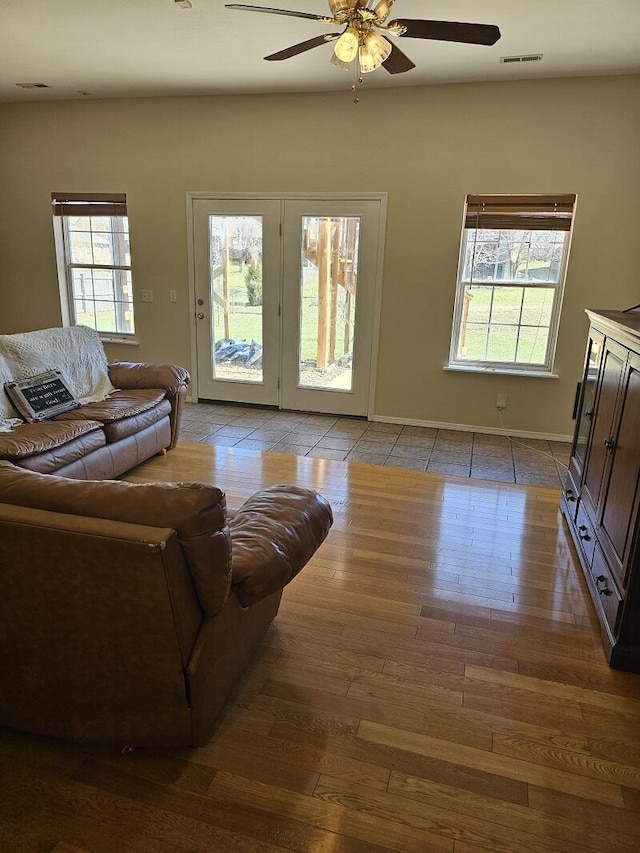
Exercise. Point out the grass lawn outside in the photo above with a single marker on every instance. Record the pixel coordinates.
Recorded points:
(508, 324)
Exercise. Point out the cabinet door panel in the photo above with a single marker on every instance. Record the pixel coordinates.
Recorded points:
(614, 360)
(619, 505)
(586, 405)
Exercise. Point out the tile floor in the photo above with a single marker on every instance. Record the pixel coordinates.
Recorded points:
(466, 454)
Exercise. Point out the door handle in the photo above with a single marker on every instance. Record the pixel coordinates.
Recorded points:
(601, 585)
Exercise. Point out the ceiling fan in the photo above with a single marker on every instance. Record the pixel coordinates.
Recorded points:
(364, 37)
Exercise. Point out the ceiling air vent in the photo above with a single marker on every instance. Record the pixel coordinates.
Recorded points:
(33, 85)
(529, 57)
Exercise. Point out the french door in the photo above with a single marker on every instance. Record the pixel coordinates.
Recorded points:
(285, 300)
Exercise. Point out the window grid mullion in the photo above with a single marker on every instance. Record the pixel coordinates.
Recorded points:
(75, 266)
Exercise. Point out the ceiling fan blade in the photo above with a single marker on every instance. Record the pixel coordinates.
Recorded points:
(277, 11)
(398, 62)
(295, 49)
(449, 31)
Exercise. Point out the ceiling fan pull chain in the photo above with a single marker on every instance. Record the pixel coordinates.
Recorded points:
(357, 81)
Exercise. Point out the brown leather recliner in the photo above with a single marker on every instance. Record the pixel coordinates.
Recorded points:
(128, 611)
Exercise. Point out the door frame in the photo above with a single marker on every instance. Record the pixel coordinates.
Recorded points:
(380, 197)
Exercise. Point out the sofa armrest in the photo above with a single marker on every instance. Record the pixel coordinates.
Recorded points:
(171, 378)
(273, 535)
(130, 374)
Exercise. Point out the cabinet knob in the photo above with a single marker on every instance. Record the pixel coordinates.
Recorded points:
(609, 443)
(583, 532)
(570, 495)
(601, 585)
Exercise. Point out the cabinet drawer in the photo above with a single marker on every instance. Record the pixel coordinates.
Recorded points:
(585, 533)
(571, 496)
(605, 587)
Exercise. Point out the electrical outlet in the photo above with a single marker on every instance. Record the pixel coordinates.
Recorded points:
(147, 295)
(501, 401)
(173, 296)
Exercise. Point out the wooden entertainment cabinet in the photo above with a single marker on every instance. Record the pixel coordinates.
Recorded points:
(602, 494)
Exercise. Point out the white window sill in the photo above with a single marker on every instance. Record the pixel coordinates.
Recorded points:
(501, 371)
(111, 339)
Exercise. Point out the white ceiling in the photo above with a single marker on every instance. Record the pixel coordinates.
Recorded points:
(146, 48)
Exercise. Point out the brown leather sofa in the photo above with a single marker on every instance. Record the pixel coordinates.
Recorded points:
(102, 440)
(128, 611)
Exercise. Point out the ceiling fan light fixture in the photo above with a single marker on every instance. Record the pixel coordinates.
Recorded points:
(338, 6)
(374, 49)
(382, 10)
(395, 28)
(346, 48)
(367, 62)
(346, 66)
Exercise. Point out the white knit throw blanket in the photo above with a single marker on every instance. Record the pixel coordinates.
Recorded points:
(76, 351)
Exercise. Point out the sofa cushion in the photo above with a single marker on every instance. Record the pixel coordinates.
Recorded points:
(273, 535)
(31, 439)
(67, 456)
(115, 430)
(124, 413)
(196, 512)
(119, 405)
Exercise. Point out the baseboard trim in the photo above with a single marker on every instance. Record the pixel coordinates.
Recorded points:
(518, 433)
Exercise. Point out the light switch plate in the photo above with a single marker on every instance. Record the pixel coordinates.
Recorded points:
(147, 295)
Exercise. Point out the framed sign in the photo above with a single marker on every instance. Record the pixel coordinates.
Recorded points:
(41, 397)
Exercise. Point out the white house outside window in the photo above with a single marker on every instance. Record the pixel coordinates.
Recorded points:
(511, 274)
(94, 261)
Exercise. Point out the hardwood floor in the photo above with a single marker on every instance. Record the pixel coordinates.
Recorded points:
(434, 681)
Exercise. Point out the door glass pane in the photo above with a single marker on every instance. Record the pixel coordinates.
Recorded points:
(328, 286)
(235, 275)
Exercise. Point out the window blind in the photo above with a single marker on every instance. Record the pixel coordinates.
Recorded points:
(520, 212)
(89, 204)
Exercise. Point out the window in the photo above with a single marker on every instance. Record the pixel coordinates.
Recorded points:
(94, 261)
(511, 272)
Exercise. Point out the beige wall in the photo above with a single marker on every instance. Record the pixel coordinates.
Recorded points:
(427, 147)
